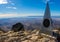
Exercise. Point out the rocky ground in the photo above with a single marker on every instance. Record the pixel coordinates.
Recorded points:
(24, 36)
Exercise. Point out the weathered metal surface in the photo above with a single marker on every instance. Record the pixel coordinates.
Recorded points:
(47, 25)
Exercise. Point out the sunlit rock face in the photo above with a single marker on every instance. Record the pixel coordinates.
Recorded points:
(18, 27)
(24, 36)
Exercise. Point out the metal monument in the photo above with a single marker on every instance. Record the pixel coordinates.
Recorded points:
(47, 23)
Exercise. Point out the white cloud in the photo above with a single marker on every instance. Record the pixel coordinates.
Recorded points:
(3, 1)
(6, 2)
(12, 7)
(45, 1)
(12, 3)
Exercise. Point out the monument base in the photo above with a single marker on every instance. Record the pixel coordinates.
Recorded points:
(57, 35)
(48, 32)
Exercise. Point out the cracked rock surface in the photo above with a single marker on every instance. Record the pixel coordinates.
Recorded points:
(23, 36)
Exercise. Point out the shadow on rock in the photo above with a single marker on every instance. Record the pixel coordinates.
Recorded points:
(18, 27)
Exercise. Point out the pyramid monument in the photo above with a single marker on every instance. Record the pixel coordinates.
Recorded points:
(47, 23)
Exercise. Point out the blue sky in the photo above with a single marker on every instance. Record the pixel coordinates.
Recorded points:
(21, 8)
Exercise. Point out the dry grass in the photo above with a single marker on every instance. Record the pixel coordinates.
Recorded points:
(23, 36)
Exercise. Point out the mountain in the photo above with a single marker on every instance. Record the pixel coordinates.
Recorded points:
(28, 22)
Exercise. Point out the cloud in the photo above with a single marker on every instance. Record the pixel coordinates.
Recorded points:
(45, 1)
(3, 1)
(50, 1)
(11, 7)
(11, 3)
(6, 2)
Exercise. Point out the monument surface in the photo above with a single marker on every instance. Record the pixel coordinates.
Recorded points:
(47, 24)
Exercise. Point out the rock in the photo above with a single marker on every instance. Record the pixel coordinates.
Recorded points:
(34, 37)
(13, 39)
(1, 32)
(3, 38)
(27, 41)
(18, 27)
(24, 36)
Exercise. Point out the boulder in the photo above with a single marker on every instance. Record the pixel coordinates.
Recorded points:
(18, 27)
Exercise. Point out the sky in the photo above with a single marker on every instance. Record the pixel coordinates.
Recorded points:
(23, 8)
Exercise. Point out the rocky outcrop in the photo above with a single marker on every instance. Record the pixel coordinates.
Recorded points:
(24, 36)
(18, 27)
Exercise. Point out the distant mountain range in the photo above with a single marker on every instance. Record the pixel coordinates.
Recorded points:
(29, 22)
(42, 16)
(31, 17)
